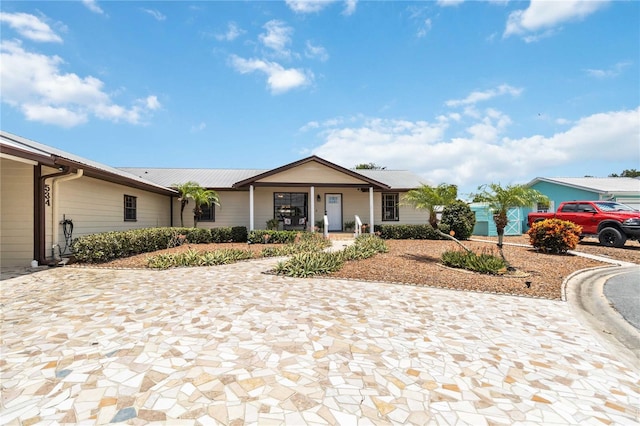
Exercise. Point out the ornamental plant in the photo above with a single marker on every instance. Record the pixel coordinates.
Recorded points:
(554, 235)
(460, 219)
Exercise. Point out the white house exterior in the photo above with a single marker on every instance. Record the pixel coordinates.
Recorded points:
(45, 190)
(252, 197)
(41, 187)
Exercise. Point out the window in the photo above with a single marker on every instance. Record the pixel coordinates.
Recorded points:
(130, 207)
(390, 209)
(543, 207)
(288, 205)
(569, 208)
(208, 213)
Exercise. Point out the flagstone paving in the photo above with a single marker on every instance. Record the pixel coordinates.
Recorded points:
(231, 345)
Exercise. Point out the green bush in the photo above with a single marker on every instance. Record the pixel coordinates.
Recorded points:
(106, 246)
(485, 263)
(303, 242)
(272, 237)
(365, 246)
(239, 234)
(554, 235)
(195, 258)
(459, 217)
(317, 262)
(221, 235)
(310, 263)
(409, 232)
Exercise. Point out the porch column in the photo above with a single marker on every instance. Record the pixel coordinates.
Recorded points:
(312, 209)
(371, 209)
(250, 207)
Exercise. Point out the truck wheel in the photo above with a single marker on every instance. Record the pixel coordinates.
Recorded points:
(611, 237)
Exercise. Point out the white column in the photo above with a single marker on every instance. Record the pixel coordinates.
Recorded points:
(371, 209)
(250, 207)
(312, 209)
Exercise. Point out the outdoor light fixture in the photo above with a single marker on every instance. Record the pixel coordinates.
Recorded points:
(318, 198)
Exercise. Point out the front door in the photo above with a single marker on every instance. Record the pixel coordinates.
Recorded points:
(333, 208)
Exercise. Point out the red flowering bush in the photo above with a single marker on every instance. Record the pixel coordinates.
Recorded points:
(554, 235)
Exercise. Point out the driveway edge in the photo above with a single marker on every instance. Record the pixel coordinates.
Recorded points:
(584, 291)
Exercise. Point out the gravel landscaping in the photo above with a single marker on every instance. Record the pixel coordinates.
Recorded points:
(417, 262)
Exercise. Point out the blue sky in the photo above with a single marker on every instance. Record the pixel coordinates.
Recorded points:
(463, 92)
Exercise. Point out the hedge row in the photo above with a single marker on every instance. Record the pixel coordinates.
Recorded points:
(272, 237)
(97, 248)
(409, 232)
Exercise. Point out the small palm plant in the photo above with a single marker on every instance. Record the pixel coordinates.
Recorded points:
(203, 197)
(429, 198)
(185, 191)
(501, 199)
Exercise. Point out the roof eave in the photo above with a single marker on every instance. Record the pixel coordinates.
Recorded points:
(317, 159)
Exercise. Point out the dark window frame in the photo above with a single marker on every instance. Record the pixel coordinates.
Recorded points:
(130, 208)
(288, 208)
(208, 213)
(391, 204)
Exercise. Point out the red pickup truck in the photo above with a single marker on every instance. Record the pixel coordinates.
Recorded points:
(613, 223)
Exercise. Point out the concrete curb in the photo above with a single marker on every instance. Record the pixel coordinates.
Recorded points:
(584, 293)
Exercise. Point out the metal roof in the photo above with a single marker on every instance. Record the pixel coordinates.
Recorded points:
(207, 178)
(225, 178)
(602, 185)
(29, 146)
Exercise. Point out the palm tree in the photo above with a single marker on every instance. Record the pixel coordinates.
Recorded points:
(185, 191)
(202, 196)
(501, 199)
(428, 198)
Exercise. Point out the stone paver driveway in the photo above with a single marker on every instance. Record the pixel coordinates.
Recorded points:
(231, 345)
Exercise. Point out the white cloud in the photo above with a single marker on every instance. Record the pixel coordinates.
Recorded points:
(279, 79)
(30, 26)
(486, 156)
(157, 15)
(544, 15)
(476, 97)
(198, 127)
(277, 37)
(426, 27)
(350, 7)
(313, 6)
(612, 72)
(233, 32)
(34, 84)
(447, 3)
(319, 52)
(92, 5)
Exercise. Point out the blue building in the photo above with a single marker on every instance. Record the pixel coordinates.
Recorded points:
(623, 190)
(620, 189)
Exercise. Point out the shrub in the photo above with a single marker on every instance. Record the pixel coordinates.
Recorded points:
(310, 263)
(239, 234)
(409, 232)
(195, 258)
(554, 235)
(272, 237)
(459, 217)
(485, 263)
(317, 262)
(221, 235)
(106, 246)
(304, 242)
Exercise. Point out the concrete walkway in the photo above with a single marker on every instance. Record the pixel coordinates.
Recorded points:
(232, 345)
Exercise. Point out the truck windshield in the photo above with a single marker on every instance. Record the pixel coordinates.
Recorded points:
(609, 206)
